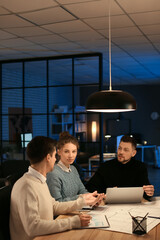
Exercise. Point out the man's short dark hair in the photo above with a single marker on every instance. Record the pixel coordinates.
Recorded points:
(39, 147)
(129, 139)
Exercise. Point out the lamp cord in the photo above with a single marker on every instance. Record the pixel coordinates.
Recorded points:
(110, 81)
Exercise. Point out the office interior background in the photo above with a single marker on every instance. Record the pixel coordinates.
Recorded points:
(54, 54)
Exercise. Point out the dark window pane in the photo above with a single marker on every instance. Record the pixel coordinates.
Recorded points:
(86, 70)
(5, 128)
(60, 72)
(11, 75)
(36, 99)
(81, 93)
(60, 99)
(35, 74)
(39, 123)
(11, 98)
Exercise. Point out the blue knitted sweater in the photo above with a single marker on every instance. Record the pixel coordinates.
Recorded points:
(65, 186)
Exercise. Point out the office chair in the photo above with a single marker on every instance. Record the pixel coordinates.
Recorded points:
(5, 196)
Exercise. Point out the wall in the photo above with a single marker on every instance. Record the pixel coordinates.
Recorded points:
(147, 98)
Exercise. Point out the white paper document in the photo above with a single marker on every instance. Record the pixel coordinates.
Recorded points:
(98, 221)
(119, 219)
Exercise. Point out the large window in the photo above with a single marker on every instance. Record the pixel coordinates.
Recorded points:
(45, 97)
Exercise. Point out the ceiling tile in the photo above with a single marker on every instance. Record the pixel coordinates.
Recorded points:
(99, 43)
(151, 29)
(157, 45)
(73, 1)
(139, 5)
(28, 31)
(15, 42)
(135, 30)
(130, 40)
(88, 35)
(93, 9)
(48, 38)
(155, 69)
(3, 11)
(70, 52)
(146, 18)
(5, 35)
(34, 49)
(121, 32)
(46, 16)
(143, 54)
(19, 55)
(149, 59)
(139, 47)
(8, 21)
(70, 26)
(63, 46)
(154, 38)
(24, 6)
(126, 60)
(48, 53)
(7, 51)
(116, 21)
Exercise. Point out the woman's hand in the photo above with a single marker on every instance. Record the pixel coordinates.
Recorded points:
(94, 198)
(85, 219)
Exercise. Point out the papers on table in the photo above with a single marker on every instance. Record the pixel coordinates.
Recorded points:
(98, 221)
(119, 218)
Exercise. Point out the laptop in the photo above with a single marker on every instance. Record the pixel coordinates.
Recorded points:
(124, 195)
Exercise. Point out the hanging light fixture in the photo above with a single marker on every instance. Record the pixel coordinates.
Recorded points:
(110, 100)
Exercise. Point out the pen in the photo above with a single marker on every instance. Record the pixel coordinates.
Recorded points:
(154, 217)
(142, 218)
(107, 220)
(145, 216)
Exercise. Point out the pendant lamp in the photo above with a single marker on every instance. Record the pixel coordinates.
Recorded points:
(110, 100)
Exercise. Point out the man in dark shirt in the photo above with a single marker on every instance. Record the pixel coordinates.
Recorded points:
(124, 171)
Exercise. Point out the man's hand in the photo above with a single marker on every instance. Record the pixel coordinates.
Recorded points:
(85, 219)
(94, 198)
(149, 190)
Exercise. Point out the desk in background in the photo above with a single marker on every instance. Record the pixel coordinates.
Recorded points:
(96, 158)
(143, 147)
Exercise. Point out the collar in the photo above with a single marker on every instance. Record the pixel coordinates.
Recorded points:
(36, 174)
(63, 167)
(128, 164)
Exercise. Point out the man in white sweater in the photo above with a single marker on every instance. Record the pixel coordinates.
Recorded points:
(32, 207)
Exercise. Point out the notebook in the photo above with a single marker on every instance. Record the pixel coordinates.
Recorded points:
(124, 195)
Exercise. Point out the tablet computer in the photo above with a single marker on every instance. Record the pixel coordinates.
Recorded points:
(124, 195)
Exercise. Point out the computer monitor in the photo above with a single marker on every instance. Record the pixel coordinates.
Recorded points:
(25, 139)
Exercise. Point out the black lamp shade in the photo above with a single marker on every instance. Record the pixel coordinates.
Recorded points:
(110, 101)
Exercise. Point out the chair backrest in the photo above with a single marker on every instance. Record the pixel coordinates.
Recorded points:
(5, 196)
(14, 169)
(13, 166)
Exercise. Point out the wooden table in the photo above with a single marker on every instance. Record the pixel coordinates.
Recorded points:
(99, 234)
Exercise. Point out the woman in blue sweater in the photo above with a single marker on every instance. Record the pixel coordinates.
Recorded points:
(64, 182)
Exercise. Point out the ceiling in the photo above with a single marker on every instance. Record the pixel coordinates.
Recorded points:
(42, 28)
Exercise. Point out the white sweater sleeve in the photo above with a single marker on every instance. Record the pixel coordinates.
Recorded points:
(34, 225)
